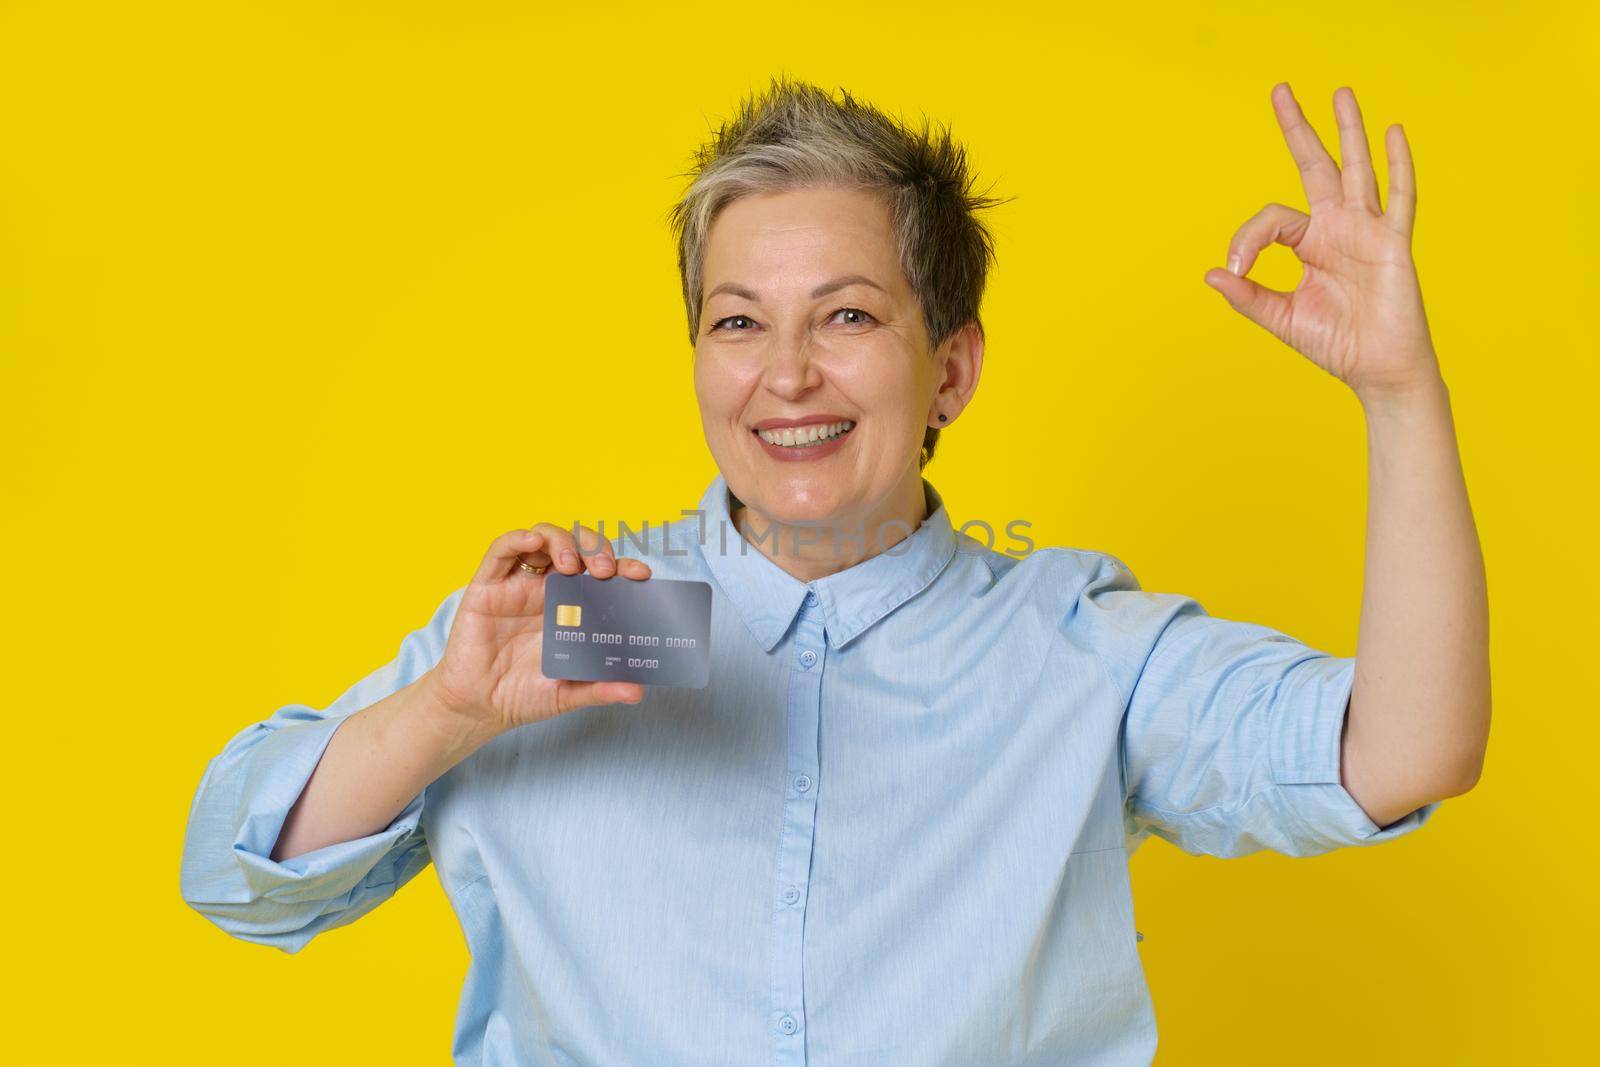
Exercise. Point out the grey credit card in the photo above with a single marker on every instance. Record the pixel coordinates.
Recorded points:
(656, 631)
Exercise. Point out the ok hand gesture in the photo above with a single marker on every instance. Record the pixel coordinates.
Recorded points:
(1357, 312)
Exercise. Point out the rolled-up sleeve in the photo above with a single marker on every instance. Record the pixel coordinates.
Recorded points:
(245, 795)
(1231, 735)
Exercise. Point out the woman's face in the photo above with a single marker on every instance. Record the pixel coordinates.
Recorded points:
(809, 322)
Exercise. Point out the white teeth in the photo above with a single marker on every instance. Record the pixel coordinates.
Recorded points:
(792, 437)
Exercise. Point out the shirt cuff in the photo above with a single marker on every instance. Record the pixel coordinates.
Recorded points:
(1305, 757)
(280, 766)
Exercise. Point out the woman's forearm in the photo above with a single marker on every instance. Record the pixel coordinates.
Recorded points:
(1419, 712)
(377, 760)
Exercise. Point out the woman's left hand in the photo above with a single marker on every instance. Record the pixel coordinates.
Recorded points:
(1357, 312)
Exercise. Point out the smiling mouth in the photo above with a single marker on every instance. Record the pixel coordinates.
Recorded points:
(800, 437)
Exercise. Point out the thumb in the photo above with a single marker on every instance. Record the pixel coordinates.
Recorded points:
(572, 695)
(1265, 307)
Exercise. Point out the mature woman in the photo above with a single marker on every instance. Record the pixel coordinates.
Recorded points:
(895, 826)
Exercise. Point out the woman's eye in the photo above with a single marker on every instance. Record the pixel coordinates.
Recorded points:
(863, 318)
(860, 318)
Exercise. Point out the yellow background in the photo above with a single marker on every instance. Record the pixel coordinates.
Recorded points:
(302, 304)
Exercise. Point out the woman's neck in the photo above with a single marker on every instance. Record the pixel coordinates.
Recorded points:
(811, 550)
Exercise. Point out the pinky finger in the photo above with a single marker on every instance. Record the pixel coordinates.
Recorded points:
(1402, 209)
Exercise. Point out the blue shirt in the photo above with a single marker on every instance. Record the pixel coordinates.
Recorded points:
(894, 829)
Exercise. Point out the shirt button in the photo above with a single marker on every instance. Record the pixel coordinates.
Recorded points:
(791, 895)
(787, 1024)
(807, 658)
(803, 782)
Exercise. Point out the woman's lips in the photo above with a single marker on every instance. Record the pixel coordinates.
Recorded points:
(804, 453)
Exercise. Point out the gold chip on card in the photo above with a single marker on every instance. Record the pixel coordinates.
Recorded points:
(569, 615)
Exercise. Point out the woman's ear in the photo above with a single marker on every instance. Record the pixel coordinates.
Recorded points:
(961, 359)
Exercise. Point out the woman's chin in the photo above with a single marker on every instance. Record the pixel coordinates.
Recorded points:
(793, 500)
(792, 493)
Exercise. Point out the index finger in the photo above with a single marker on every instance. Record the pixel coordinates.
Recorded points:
(1318, 173)
(630, 567)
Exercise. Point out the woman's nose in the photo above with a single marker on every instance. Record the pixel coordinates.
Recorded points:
(790, 369)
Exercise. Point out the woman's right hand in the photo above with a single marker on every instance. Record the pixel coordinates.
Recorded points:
(489, 674)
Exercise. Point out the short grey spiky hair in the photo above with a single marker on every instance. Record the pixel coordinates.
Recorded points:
(796, 135)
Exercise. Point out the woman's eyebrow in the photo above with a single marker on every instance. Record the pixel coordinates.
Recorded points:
(822, 290)
(839, 283)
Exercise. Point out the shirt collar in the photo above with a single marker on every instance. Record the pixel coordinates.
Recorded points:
(768, 597)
